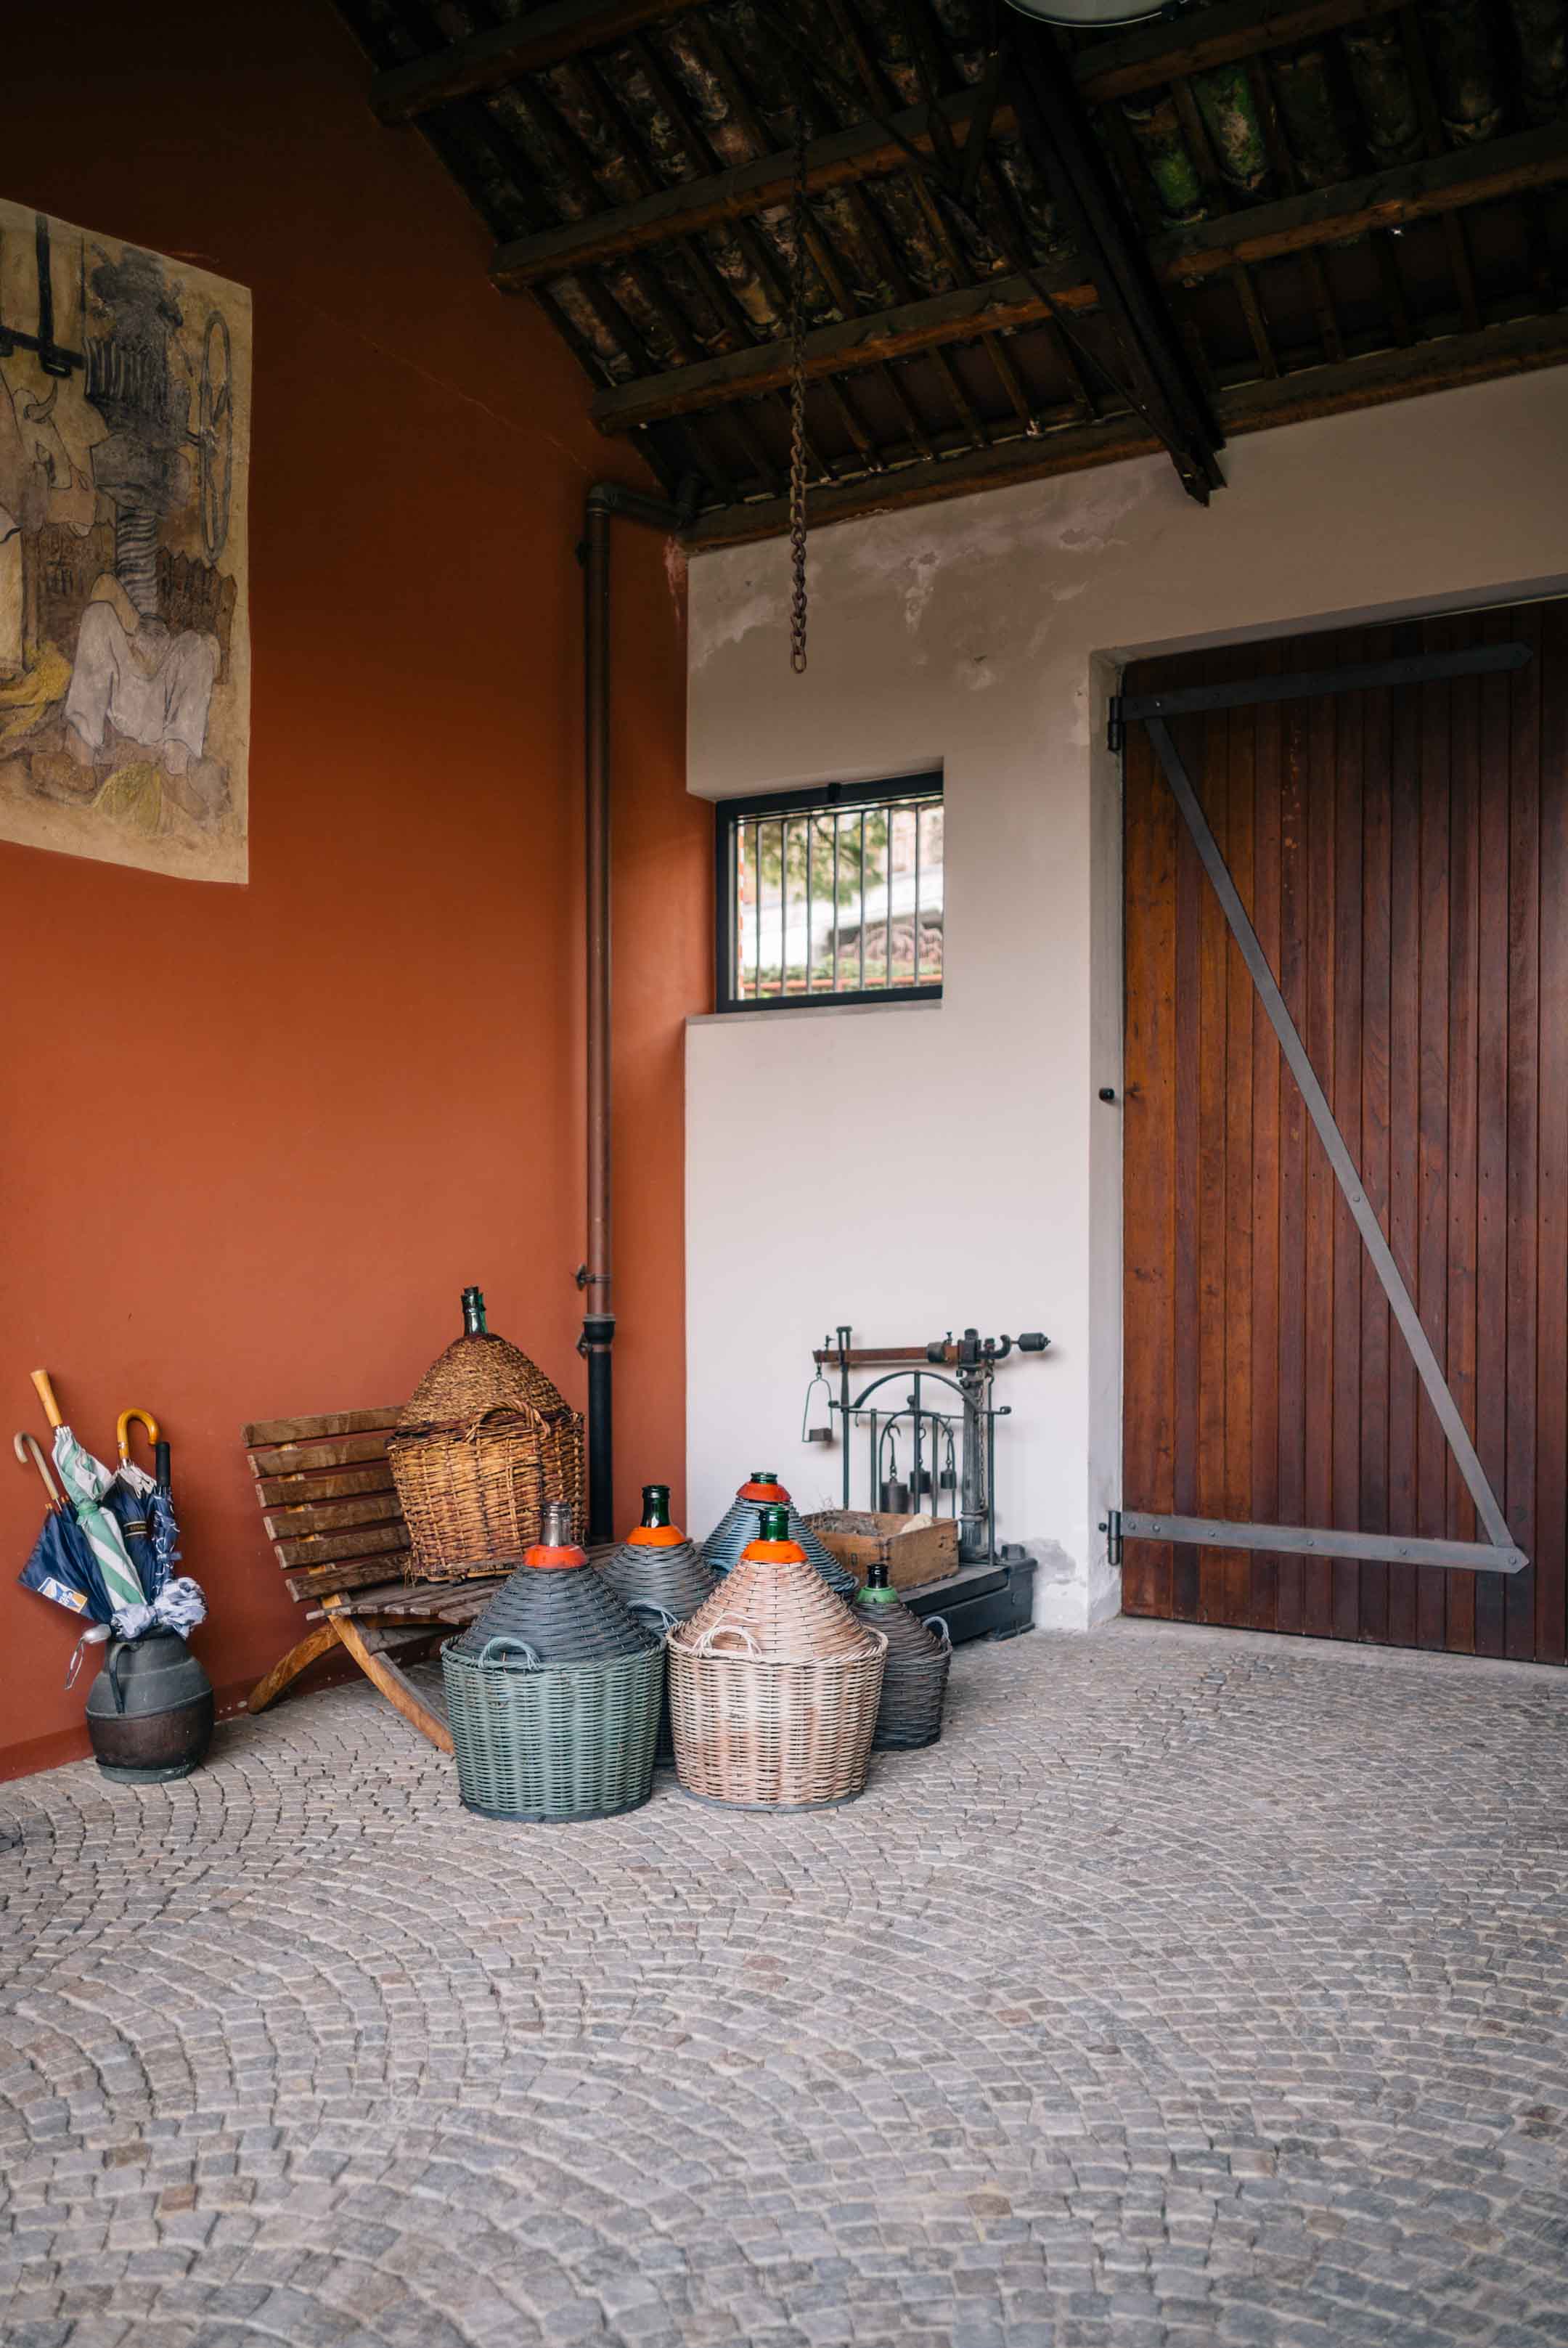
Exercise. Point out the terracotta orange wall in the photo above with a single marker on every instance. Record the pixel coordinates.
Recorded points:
(342, 1092)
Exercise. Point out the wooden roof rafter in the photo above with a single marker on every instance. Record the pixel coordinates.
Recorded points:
(1296, 199)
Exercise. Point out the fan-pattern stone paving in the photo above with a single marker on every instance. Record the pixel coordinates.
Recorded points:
(1196, 1988)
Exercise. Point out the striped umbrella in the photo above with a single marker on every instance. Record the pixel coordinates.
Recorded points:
(85, 1481)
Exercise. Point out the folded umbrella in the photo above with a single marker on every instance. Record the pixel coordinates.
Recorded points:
(130, 1500)
(62, 1566)
(85, 1481)
(161, 1518)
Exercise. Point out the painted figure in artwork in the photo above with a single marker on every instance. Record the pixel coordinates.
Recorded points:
(123, 663)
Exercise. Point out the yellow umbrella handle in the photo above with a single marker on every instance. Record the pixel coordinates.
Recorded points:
(46, 1396)
(122, 1431)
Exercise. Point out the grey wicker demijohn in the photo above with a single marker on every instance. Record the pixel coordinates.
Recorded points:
(915, 1677)
(554, 1693)
(773, 1684)
(661, 1574)
(739, 1523)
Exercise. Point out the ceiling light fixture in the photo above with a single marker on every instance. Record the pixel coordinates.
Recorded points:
(1104, 13)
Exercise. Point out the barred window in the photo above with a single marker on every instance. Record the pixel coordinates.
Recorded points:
(832, 895)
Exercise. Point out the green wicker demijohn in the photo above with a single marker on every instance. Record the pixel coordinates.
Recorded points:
(554, 1694)
(915, 1677)
(739, 1523)
(659, 1572)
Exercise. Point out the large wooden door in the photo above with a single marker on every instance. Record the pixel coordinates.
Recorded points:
(1403, 855)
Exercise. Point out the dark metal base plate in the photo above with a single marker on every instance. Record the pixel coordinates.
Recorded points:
(980, 1602)
(163, 1777)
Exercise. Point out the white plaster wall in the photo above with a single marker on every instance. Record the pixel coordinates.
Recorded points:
(909, 1169)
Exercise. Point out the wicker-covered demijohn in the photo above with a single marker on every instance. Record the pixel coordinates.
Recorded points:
(773, 1684)
(660, 1574)
(483, 1443)
(915, 1679)
(554, 1694)
(738, 1525)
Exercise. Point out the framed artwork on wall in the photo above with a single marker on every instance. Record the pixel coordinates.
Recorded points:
(125, 656)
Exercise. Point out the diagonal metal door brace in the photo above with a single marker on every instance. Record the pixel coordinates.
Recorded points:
(1498, 1553)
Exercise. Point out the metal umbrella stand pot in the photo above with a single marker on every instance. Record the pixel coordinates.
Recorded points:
(150, 1710)
(661, 1575)
(919, 1657)
(739, 1525)
(553, 1695)
(773, 1684)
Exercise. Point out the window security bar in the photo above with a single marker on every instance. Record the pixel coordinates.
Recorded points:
(831, 896)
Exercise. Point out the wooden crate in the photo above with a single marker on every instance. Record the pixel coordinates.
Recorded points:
(913, 1553)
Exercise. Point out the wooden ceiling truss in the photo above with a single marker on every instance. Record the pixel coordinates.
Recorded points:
(1028, 253)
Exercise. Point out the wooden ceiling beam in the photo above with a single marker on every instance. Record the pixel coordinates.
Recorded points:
(488, 60)
(1139, 60)
(1307, 393)
(865, 150)
(1151, 364)
(881, 144)
(1147, 58)
(1300, 224)
(960, 317)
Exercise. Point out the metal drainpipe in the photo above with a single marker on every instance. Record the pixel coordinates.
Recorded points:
(605, 500)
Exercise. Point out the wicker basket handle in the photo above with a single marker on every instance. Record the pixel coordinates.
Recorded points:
(939, 1622)
(505, 1643)
(662, 1619)
(705, 1639)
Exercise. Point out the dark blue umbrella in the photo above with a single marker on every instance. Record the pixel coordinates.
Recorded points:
(143, 1507)
(62, 1566)
(130, 1511)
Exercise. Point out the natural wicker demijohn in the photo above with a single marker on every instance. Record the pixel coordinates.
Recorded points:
(738, 1525)
(661, 1573)
(914, 1680)
(553, 1695)
(483, 1443)
(773, 1684)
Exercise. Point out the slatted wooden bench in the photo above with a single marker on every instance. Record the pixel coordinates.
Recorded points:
(331, 1516)
(331, 1513)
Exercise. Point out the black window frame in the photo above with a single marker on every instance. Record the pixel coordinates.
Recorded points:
(729, 815)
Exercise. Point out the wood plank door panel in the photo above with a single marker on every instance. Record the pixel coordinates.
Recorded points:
(1403, 855)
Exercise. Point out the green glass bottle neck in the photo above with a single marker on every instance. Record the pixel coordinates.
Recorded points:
(655, 1505)
(876, 1590)
(474, 1313)
(775, 1521)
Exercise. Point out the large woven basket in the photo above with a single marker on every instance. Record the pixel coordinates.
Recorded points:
(483, 1443)
(662, 1576)
(549, 1745)
(773, 1687)
(914, 1680)
(554, 1694)
(738, 1525)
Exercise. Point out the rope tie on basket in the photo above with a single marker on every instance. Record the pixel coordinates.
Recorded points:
(704, 1644)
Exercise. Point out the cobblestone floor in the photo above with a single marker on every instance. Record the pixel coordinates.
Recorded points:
(1196, 1988)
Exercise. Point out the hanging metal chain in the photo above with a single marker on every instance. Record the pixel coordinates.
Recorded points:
(798, 403)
